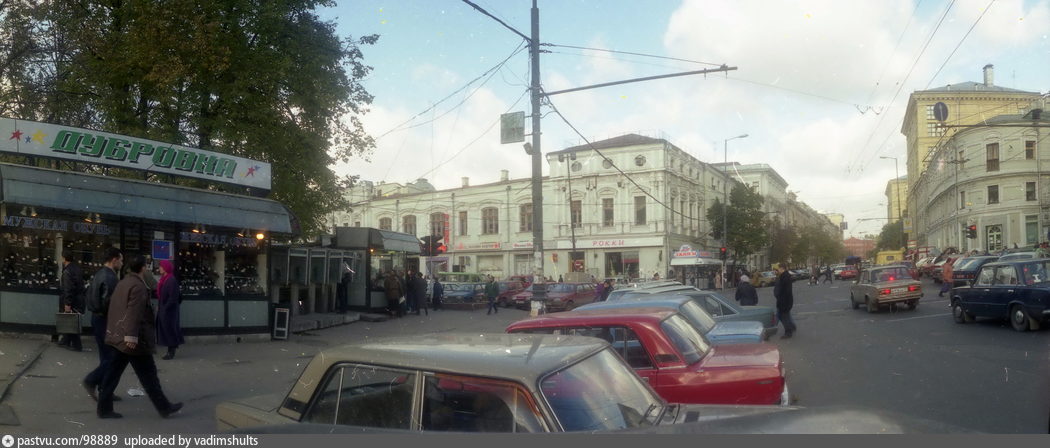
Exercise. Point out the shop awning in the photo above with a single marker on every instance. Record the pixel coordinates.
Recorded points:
(366, 237)
(694, 261)
(112, 196)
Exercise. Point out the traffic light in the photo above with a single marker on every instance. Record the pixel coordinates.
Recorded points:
(722, 252)
(426, 249)
(971, 232)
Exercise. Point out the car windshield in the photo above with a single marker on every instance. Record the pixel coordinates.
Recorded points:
(561, 287)
(890, 274)
(1036, 272)
(601, 393)
(690, 344)
(696, 315)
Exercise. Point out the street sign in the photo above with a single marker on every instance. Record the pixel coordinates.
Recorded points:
(512, 128)
(940, 111)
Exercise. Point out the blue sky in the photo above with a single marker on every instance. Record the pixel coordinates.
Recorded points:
(815, 86)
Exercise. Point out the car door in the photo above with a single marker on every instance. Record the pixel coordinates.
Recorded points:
(364, 395)
(1003, 290)
(976, 300)
(626, 343)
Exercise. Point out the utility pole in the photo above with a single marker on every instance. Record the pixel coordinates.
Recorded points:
(539, 285)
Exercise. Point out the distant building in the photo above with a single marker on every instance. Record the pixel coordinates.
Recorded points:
(859, 247)
(896, 199)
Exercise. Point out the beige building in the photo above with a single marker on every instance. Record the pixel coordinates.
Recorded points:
(967, 103)
(896, 199)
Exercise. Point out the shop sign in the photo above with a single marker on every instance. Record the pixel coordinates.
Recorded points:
(478, 246)
(686, 251)
(55, 225)
(612, 243)
(521, 245)
(211, 239)
(161, 250)
(86, 146)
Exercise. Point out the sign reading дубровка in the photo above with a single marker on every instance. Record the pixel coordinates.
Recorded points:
(31, 138)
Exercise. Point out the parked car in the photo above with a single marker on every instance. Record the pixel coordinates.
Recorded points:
(965, 270)
(464, 293)
(767, 278)
(1019, 256)
(675, 359)
(620, 289)
(1015, 290)
(799, 274)
(837, 270)
(560, 296)
(510, 383)
(717, 333)
(507, 291)
(885, 285)
(724, 309)
(647, 292)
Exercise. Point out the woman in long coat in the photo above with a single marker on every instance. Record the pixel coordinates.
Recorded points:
(169, 328)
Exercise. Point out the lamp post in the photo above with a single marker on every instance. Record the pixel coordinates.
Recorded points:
(897, 187)
(725, 200)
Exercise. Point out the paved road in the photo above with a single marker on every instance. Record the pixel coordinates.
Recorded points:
(981, 376)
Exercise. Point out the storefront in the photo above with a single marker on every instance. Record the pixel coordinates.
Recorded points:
(695, 267)
(378, 252)
(219, 242)
(618, 258)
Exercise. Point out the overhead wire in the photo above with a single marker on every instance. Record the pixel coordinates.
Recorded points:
(633, 54)
(975, 22)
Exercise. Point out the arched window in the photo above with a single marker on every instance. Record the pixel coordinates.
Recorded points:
(437, 224)
(408, 224)
(489, 220)
(384, 223)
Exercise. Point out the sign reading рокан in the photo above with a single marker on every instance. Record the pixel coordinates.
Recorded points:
(30, 138)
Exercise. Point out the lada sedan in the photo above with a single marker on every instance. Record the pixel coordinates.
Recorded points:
(717, 333)
(674, 358)
(885, 285)
(722, 308)
(1017, 290)
(560, 296)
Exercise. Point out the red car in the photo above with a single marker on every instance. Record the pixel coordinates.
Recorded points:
(560, 296)
(675, 359)
(849, 273)
(507, 291)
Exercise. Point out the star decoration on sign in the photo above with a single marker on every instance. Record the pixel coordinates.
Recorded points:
(17, 135)
(39, 136)
(252, 170)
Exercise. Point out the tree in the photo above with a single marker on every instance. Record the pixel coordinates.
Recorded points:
(263, 80)
(745, 220)
(891, 236)
(784, 243)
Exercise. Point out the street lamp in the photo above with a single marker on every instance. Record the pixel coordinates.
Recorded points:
(725, 199)
(896, 180)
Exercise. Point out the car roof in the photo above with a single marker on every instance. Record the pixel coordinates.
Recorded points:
(598, 317)
(644, 302)
(663, 289)
(1013, 261)
(521, 357)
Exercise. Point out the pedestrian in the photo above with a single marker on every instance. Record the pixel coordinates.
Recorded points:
(814, 275)
(828, 275)
(410, 293)
(130, 330)
(745, 292)
(607, 290)
(599, 291)
(439, 292)
(98, 297)
(785, 300)
(393, 291)
(946, 277)
(491, 292)
(169, 297)
(147, 275)
(71, 298)
(718, 281)
(343, 291)
(560, 279)
(419, 291)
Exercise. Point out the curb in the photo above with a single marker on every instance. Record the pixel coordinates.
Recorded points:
(5, 384)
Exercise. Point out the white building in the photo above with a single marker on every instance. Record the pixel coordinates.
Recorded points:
(990, 176)
(629, 224)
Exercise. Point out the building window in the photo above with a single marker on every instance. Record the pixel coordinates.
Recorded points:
(346, 224)
(993, 156)
(934, 129)
(993, 237)
(681, 213)
(962, 159)
(639, 210)
(929, 112)
(993, 194)
(962, 199)
(607, 212)
(384, 224)
(576, 214)
(1029, 191)
(525, 215)
(489, 220)
(408, 224)
(462, 223)
(1031, 224)
(1029, 149)
(357, 223)
(437, 224)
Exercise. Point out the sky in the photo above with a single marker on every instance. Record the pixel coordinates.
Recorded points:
(821, 86)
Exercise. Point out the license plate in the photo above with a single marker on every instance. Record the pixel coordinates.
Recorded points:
(899, 290)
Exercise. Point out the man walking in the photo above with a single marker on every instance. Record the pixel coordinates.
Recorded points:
(419, 292)
(98, 296)
(71, 298)
(785, 300)
(131, 330)
(491, 292)
(745, 292)
(946, 278)
(438, 293)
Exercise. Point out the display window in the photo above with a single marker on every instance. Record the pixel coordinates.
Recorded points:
(195, 263)
(382, 262)
(32, 241)
(242, 269)
(27, 260)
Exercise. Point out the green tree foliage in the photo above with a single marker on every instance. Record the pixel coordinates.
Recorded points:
(264, 80)
(745, 220)
(785, 243)
(891, 236)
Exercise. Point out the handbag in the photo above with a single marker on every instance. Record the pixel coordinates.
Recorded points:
(68, 323)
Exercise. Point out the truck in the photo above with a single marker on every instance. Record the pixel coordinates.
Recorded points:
(889, 257)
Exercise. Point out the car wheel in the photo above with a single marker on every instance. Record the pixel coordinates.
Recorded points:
(1019, 318)
(853, 302)
(958, 314)
(872, 305)
(569, 305)
(912, 304)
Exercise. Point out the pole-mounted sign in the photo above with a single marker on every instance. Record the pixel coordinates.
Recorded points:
(512, 128)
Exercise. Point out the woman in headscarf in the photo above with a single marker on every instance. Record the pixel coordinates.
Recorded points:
(169, 330)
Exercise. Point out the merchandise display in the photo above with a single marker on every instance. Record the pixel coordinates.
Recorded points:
(195, 272)
(28, 262)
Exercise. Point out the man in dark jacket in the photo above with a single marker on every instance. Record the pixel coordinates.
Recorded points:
(785, 300)
(102, 285)
(745, 292)
(71, 298)
(491, 292)
(131, 330)
(418, 290)
(438, 293)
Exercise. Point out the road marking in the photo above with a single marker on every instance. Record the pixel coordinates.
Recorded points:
(919, 317)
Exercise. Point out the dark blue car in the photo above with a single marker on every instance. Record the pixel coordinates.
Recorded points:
(1017, 290)
(965, 270)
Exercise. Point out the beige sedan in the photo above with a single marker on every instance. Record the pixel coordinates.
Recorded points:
(885, 285)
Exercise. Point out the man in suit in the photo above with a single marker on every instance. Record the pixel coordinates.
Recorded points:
(785, 300)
